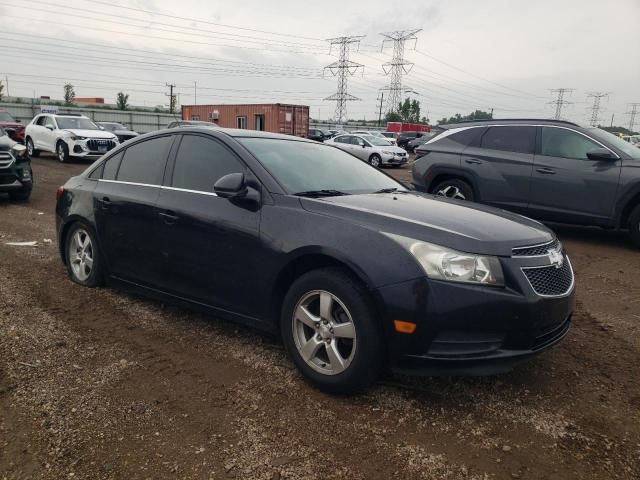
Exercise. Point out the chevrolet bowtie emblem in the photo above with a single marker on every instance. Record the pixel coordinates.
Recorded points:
(556, 258)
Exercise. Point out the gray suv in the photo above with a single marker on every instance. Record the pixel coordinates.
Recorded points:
(547, 169)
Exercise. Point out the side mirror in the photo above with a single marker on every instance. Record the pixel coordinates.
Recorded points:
(601, 154)
(18, 120)
(49, 127)
(100, 127)
(364, 145)
(231, 186)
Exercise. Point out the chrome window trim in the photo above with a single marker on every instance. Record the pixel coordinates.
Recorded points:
(161, 187)
(565, 294)
(451, 131)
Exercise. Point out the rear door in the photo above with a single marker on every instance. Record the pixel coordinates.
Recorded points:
(124, 204)
(501, 161)
(343, 142)
(210, 244)
(566, 184)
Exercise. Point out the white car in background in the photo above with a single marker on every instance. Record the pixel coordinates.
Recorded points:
(371, 149)
(68, 136)
(374, 133)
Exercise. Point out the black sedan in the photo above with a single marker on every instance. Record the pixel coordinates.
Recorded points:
(121, 131)
(354, 270)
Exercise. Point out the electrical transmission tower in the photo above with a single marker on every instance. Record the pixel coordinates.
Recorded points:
(343, 68)
(398, 66)
(560, 101)
(632, 115)
(594, 121)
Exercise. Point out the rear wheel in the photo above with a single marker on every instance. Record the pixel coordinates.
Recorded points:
(329, 329)
(454, 188)
(31, 151)
(84, 264)
(62, 151)
(375, 160)
(634, 226)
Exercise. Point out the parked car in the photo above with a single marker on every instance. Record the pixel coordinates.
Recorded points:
(335, 133)
(374, 133)
(371, 149)
(371, 274)
(119, 130)
(405, 137)
(68, 136)
(191, 123)
(12, 127)
(317, 135)
(416, 142)
(547, 169)
(391, 135)
(16, 177)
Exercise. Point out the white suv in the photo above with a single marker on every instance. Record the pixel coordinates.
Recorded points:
(68, 136)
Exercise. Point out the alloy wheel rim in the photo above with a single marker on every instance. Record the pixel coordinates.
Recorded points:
(30, 148)
(375, 161)
(451, 191)
(60, 152)
(81, 254)
(324, 332)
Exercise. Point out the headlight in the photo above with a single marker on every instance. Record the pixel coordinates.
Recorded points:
(19, 150)
(388, 153)
(76, 138)
(445, 264)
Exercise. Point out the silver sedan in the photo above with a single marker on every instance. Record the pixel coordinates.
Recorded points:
(371, 149)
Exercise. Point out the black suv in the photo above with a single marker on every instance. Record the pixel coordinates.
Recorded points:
(405, 137)
(16, 177)
(548, 169)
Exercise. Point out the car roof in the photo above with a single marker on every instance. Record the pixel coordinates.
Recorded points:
(507, 121)
(242, 133)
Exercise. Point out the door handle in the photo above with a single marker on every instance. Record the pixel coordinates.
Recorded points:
(546, 171)
(105, 203)
(472, 161)
(169, 217)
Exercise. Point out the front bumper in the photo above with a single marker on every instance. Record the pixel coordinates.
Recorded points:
(16, 176)
(395, 159)
(91, 148)
(469, 329)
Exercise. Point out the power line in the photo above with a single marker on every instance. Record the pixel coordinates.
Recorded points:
(398, 66)
(594, 120)
(560, 101)
(632, 115)
(343, 68)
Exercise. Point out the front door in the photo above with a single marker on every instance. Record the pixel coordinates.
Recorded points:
(210, 244)
(124, 206)
(566, 184)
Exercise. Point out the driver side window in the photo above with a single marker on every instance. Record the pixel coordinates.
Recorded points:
(564, 143)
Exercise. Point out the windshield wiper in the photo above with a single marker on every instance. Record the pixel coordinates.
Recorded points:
(388, 190)
(321, 193)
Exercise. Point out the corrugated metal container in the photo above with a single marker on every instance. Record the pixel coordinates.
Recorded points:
(274, 117)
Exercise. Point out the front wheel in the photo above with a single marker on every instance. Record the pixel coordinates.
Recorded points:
(454, 188)
(375, 160)
(31, 151)
(330, 331)
(62, 151)
(634, 226)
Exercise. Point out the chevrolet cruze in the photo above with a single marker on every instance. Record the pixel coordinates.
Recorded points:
(354, 271)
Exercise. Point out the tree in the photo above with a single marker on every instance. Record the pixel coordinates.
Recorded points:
(415, 111)
(457, 118)
(1, 90)
(172, 104)
(122, 100)
(69, 94)
(392, 117)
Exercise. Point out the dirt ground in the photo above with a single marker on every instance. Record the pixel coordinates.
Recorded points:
(97, 384)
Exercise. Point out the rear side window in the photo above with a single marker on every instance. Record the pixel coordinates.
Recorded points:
(510, 139)
(201, 161)
(111, 167)
(144, 162)
(563, 143)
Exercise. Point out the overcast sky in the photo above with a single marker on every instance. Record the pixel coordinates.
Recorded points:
(470, 54)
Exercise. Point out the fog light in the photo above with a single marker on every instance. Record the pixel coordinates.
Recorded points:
(77, 149)
(404, 327)
(26, 175)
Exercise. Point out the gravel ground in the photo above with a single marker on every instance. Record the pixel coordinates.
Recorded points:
(97, 384)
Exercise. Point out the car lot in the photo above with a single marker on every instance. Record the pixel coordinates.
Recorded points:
(99, 384)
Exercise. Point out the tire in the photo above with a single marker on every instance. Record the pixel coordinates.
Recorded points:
(454, 188)
(634, 226)
(351, 313)
(62, 151)
(375, 160)
(31, 151)
(20, 195)
(77, 252)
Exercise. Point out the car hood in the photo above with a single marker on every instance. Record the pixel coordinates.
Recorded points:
(467, 227)
(6, 143)
(11, 125)
(128, 133)
(90, 133)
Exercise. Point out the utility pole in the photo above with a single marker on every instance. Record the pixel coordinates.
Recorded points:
(380, 111)
(594, 120)
(612, 115)
(6, 82)
(195, 93)
(172, 97)
(491, 112)
(632, 115)
(342, 69)
(398, 66)
(560, 101)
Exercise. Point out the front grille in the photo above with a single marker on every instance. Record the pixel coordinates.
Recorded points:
(550, 281)
(5, 159)
(95, 144)
(535, 250)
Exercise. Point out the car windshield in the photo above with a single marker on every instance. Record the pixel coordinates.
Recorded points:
(378, 142)
(304, 167)
(75, 123)
(6, 117)
(615, 141)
